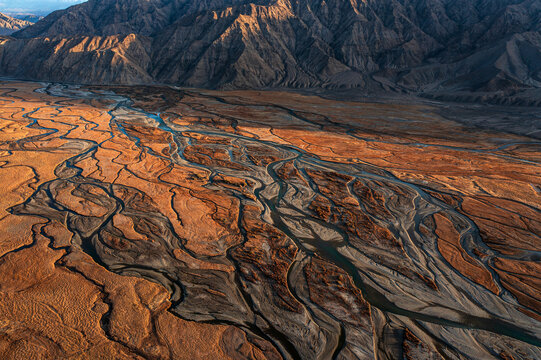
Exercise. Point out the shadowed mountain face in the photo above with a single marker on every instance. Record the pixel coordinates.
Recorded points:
(9, 25)
(155, 223)
(465, 49)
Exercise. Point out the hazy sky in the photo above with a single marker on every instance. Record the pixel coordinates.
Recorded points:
(36, 5)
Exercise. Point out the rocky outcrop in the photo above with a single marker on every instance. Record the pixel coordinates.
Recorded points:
(441, 49)
(9, 25)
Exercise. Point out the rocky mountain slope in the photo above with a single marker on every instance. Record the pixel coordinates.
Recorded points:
(451, 49)
(9, 25)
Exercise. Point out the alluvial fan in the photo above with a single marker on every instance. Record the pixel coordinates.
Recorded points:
(169, 223)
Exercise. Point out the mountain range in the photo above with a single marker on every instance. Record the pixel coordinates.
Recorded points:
(473, 50)
(9, 25)
(31, 17)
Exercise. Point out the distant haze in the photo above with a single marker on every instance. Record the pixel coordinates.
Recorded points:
(36, 6)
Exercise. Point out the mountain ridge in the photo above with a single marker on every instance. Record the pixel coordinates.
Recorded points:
(9, 25)
(439, 49)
